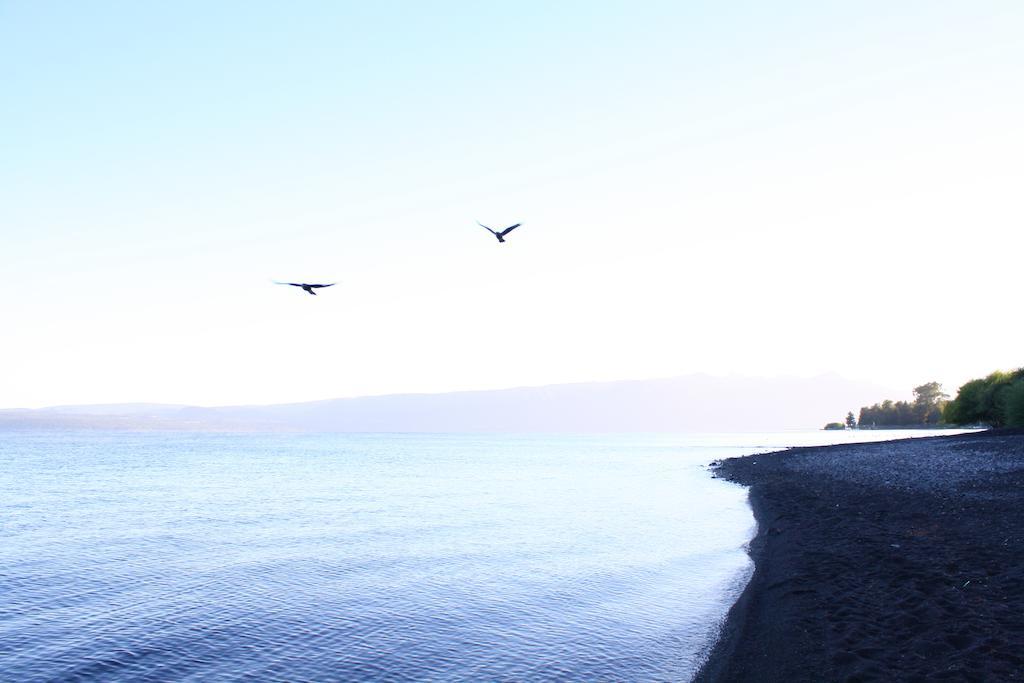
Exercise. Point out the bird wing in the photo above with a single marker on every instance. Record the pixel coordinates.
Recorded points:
(486, 228)
(330, 285)
(293, 284)
(509, 229)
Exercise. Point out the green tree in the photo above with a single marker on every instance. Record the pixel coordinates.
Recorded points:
(1015, 404)
(867, 416)
(851, 421)
(929, 394)
(994, 400)
(965, 409)
(929, 400)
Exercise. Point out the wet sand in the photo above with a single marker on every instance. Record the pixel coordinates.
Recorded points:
(895, 561)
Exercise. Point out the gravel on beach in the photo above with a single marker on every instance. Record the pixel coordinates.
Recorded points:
(896, 561)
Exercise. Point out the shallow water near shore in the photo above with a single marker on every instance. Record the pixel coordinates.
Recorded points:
(188, 556)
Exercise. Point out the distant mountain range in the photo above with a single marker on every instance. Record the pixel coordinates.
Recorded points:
(690, 403)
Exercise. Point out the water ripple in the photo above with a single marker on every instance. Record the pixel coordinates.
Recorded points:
(159, 557)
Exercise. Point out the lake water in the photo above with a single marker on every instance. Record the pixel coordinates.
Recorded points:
(222, 557)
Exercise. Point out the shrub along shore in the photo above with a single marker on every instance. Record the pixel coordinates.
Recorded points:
(997, 400)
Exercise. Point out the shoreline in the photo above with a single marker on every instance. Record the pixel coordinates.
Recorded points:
(891, 560)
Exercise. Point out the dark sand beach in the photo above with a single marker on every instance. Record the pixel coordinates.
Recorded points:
(892, 561)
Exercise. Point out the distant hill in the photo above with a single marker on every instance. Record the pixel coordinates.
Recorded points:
(681, 404)
(143, 409)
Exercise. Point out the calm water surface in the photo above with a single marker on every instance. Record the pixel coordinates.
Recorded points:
(222, 557)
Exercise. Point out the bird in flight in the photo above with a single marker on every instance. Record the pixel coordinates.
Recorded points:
(305, 287)
(500, 235)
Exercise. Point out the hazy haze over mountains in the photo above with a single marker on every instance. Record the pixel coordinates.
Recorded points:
(691, 403)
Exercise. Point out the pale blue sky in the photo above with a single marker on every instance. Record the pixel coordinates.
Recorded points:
(702, 186)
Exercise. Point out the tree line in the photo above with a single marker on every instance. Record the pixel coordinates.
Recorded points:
(996, 400)
(926, 410)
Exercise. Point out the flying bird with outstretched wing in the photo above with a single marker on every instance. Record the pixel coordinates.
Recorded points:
(306, 287)
(499, 235)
